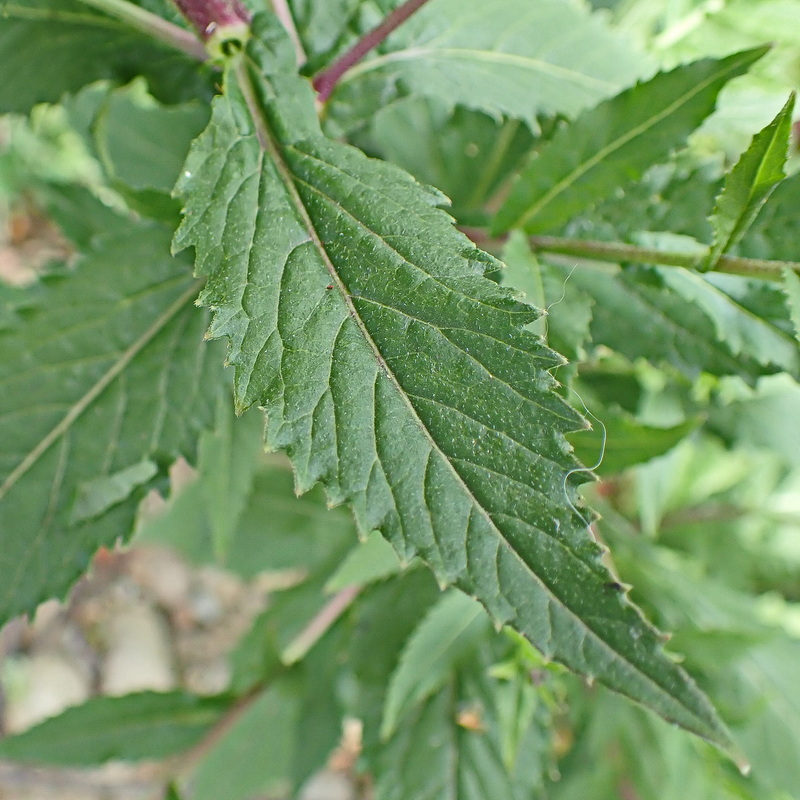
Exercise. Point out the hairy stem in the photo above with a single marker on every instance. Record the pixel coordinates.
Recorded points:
(153, 25)
(612, 251)
(326, 81)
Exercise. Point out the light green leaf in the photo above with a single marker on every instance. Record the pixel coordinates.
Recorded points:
(51, 47)
(96, 496)
(104, 379)
(612, 145)
(750, 182)
(143, 143)
(507, 58)
(149, 725)
(442, 639)
(228, 459)
(791, 287)
(623, 441)
(254, 756)
(372, 560)
(400, 377)
(273, 531)
(566, 326)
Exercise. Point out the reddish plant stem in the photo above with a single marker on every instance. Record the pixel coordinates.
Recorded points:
(326, 81)
(208, 16)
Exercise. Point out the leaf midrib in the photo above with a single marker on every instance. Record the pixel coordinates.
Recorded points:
(108, 377)
(273, 148)
(487, 56)
(612, 147)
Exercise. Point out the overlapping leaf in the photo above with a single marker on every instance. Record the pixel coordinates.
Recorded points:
(671, 315)
(613, 144)
(394, 372)
(456, 744)
(750, 183)
(104, 384)
(134, 727)
(508, 58)
(39, 66)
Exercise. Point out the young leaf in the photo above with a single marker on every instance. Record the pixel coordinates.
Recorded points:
(446, 634)
(149, 725)
(104, 384)
(51, 47)
(750, 183)
(613, 144)
(507, 58)
(395, 373)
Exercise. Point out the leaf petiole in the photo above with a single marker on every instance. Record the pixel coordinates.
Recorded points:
(146, 22)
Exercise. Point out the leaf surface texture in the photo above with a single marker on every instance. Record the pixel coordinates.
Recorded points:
(393, 371)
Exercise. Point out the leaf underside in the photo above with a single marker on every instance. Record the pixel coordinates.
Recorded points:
(104, 384)
(613, 144)
(395, 373)
(507, 58)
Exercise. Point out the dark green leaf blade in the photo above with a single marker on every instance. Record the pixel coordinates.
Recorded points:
(614, 144)
(750, 182)
(396, 374)
(104, 384)
(507, 58)
(40, 65)
(149, 725)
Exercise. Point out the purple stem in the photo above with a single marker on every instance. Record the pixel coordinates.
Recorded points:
(326, 81)
(208, 16)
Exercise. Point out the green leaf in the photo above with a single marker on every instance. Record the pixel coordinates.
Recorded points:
(507, 58)
(40, 66)
(776, 230)
(612, 145)
(273, 531)
(105, 382)
(464, 153)
(254, 756)
(456, 744)
(372, 560)
(143, 143)
(400, 377)
(623, 442)
(791, 287)
(149, 725)
(671, 315)
(228, 459)
(566, 326)
(750, 183)
(442, 639)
